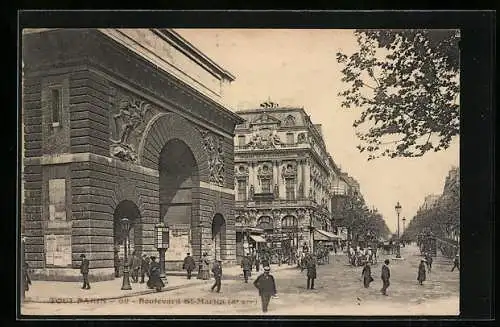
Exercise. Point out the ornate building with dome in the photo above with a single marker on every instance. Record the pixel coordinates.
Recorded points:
(284, 181)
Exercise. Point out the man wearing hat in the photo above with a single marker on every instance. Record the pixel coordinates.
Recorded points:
(217, 271)
(144, 267)
(267, 287)
(189, 265)
(84, 270)
(456, 262)
(385, 276)
(421, 271)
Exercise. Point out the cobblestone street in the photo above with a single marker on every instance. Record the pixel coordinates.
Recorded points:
(339, 291)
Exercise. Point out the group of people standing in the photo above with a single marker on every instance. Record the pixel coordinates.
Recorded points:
(359, 256)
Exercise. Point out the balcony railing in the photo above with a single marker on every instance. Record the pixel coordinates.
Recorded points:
(281, 146)
(276, 203)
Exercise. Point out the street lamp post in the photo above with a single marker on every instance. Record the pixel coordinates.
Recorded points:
(398, 211)
(126, 280)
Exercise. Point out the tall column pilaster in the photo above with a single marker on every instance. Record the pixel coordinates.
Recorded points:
(307, 176)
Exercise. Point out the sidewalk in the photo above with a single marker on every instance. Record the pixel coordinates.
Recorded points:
(71, 292)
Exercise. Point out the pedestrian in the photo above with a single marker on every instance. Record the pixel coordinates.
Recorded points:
(26, 277)
(205, 268)
(84, 270)
(266, 285)
(456, 263)
(117, 262)
(366, 275)
(421, 272)
(265, 259)
(352, 256)
(428, 259)
(370, 255)
(144, 267)
(257, 262)
(246, 264)
(217, 271)
(135, 266)
(155, 280)
(189, 265)
(386, 275)
(311, 271)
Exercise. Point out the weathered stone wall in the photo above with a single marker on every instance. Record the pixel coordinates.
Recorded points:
(79, 151)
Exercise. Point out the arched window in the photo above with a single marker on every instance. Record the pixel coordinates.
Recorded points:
(289, 222)
(265, 223)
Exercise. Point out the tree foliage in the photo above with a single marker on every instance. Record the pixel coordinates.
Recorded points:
(353, 214)
(406, 84)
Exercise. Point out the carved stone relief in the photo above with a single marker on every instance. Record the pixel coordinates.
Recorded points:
(302, 138)
(290, 120)
(265, 170)
(264, 139)
(214, 147)
(128, 121)
(289, 170)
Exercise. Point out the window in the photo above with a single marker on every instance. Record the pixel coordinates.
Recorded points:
(56, 103)
(289, 138)
(241, 140)
(290, 188)
(242, 190)
(289, 222)
(266, 185)
(57, 199)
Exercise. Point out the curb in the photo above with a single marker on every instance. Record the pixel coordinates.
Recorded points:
(115, 297)
(83, 299)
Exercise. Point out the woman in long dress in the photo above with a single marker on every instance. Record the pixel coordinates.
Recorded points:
(205, 267)
(421, 272)
(155, 280)
(366, 274)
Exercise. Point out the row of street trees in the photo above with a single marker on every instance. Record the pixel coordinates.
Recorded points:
(362, 223)
(442, 220)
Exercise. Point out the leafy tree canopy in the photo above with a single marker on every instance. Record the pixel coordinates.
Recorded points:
(406, 82)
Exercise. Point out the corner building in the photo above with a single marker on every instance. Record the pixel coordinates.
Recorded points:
(283, 181)
(123, 123)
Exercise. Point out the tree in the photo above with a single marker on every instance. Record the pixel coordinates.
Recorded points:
(353, 214)
(406, 84)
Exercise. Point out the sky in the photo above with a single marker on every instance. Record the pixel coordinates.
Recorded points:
(299, 68)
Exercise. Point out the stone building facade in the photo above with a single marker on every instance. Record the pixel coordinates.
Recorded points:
(283, 179)
(123, 123)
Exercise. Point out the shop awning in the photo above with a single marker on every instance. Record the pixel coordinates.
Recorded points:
(323, 235)
(258, 239)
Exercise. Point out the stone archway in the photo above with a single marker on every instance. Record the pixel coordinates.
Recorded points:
(178, 176)
(125, 209)
(218, 236)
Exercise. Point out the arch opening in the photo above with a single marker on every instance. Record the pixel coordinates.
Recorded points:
(178, 175)
(218, 235)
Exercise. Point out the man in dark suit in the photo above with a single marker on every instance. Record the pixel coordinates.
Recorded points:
(311, 271)
(189, 264)
(144, 267)
(246, 264)
(84, 270)
(267, 287)
(386, 275)
(217, 271)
